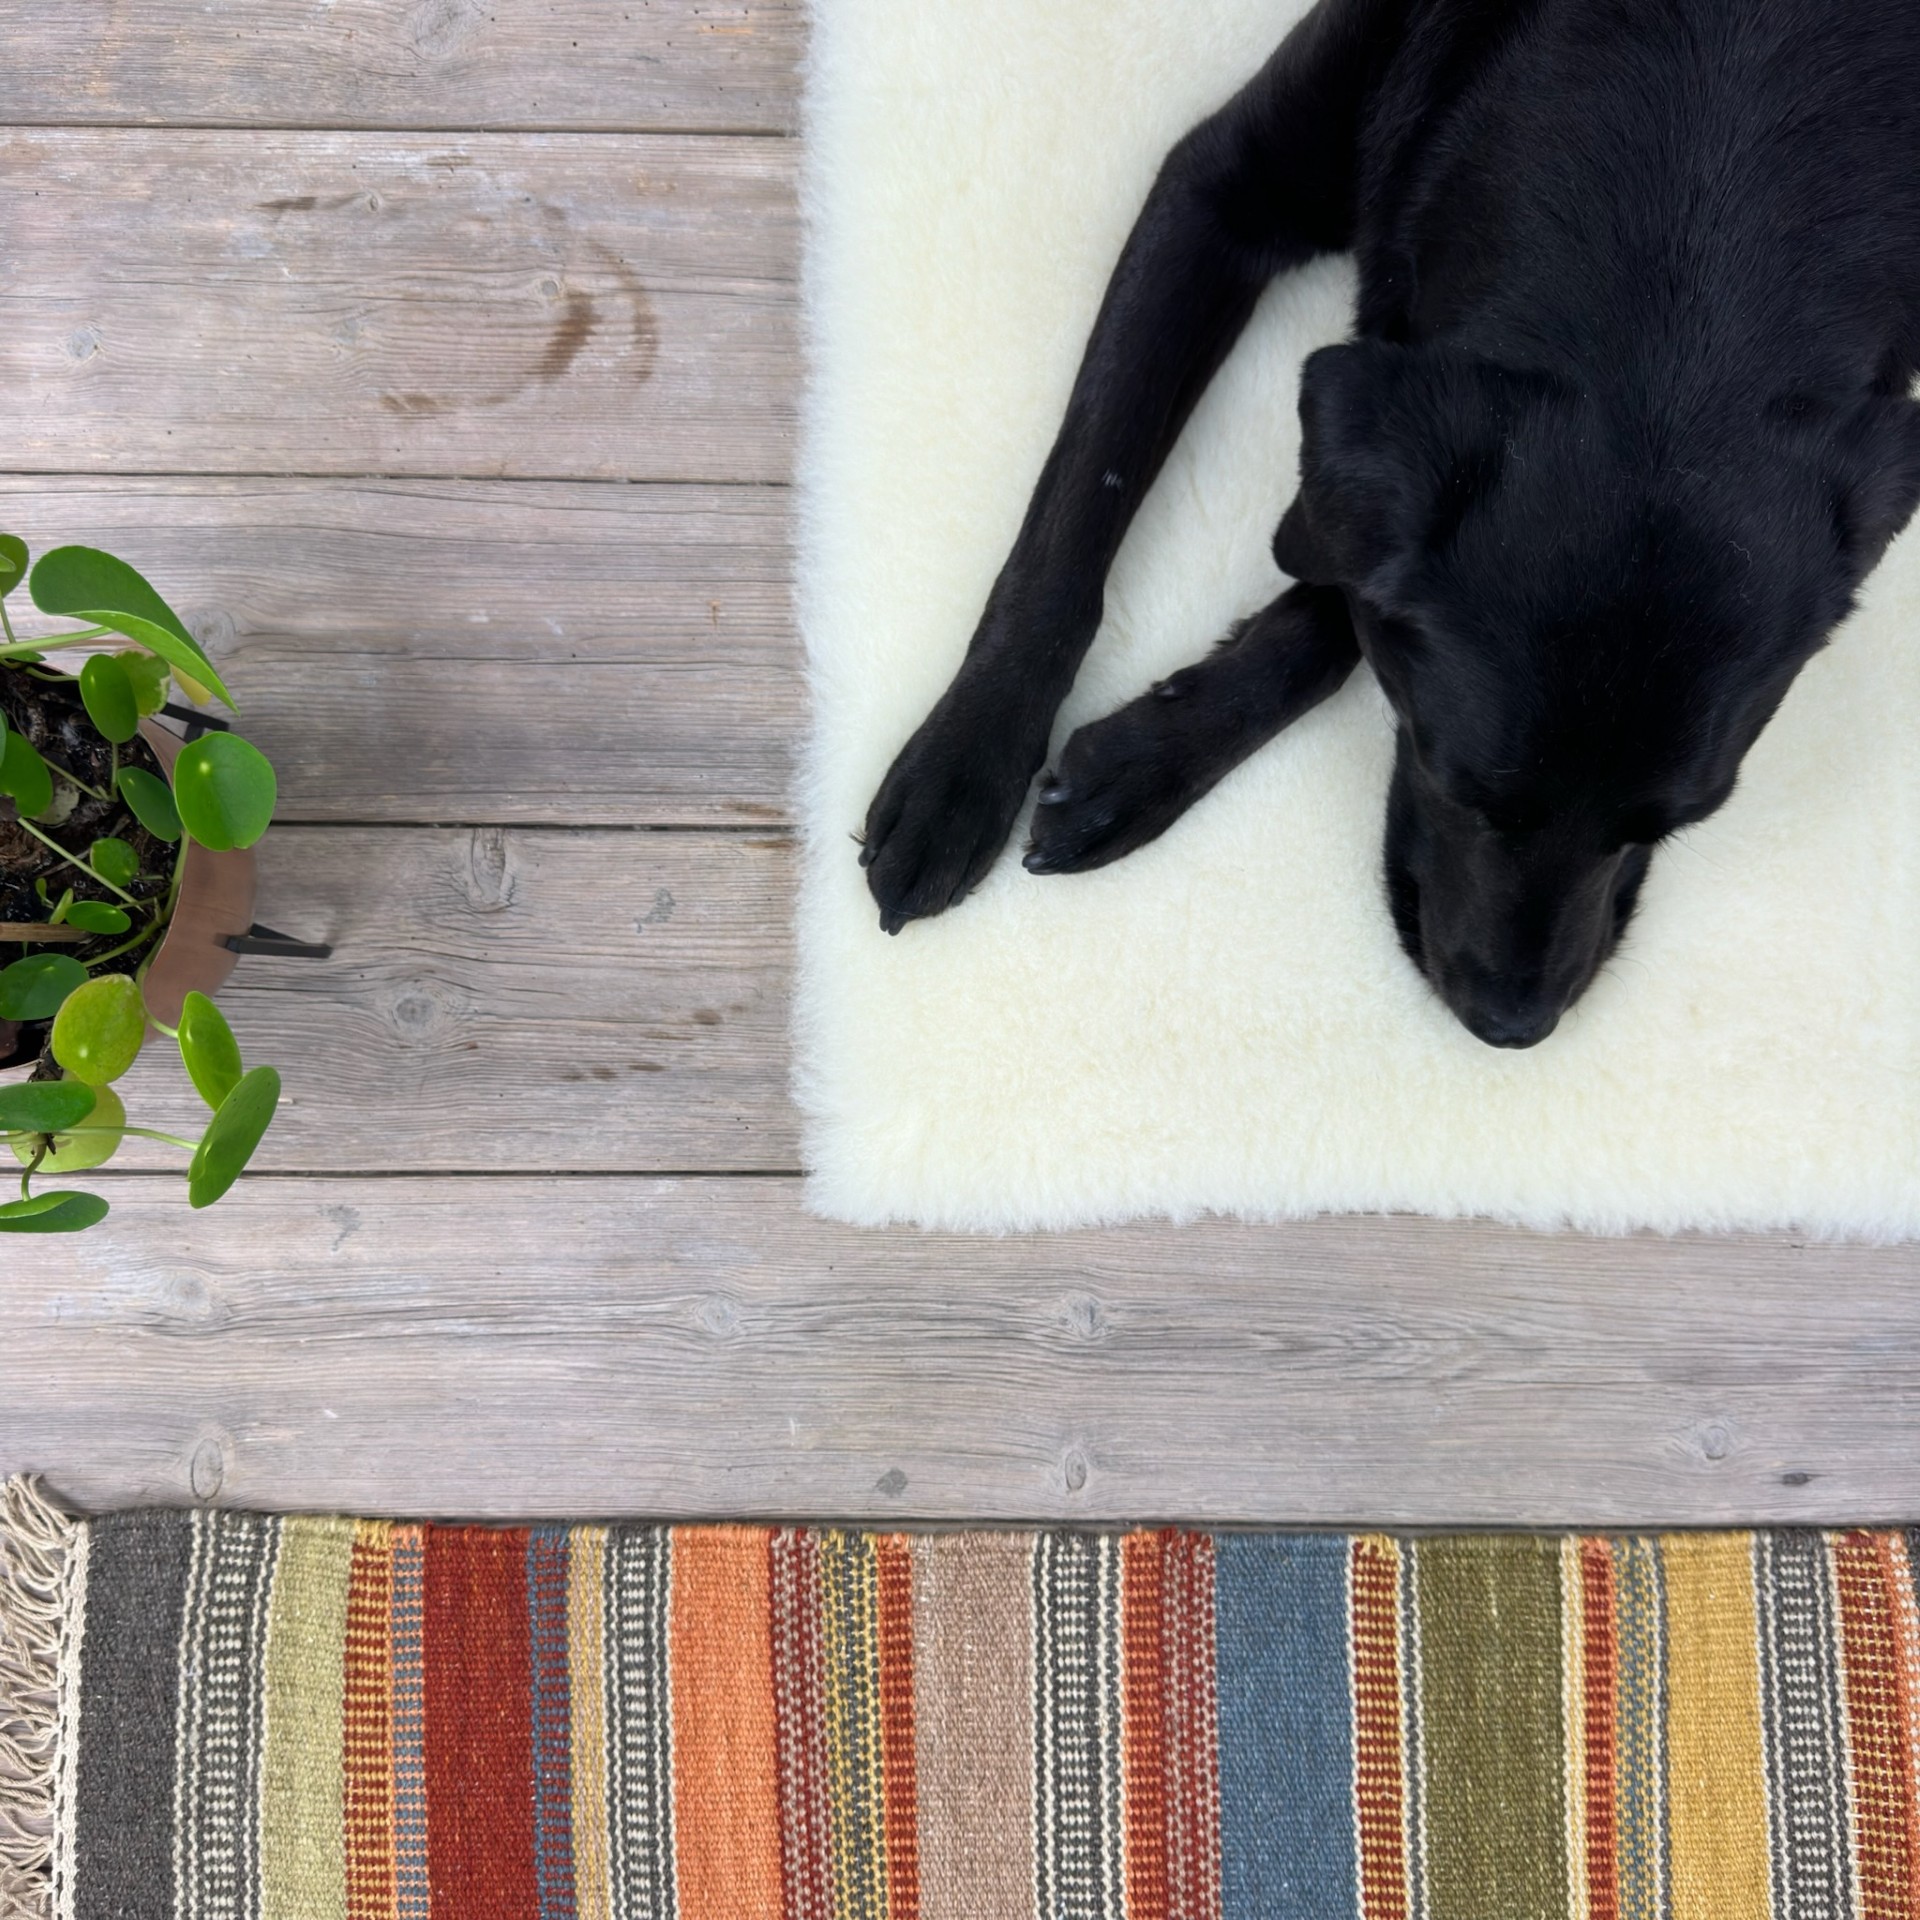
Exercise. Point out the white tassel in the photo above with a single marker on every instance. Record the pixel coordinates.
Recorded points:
(37, 1551)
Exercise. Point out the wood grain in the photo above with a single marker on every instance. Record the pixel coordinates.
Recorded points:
(642, 66)
(570, 654)
(515, 1347)
(546, 306)
(506, 1001)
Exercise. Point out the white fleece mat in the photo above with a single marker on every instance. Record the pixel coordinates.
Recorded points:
(1224, 1021)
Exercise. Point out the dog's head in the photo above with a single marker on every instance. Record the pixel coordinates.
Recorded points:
(1581, 625)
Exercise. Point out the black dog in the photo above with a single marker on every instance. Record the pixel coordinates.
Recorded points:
(1625, 425)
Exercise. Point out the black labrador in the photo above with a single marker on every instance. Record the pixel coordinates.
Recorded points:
(1625, 423)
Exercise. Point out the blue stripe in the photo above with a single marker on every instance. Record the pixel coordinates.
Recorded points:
(1286, 1741)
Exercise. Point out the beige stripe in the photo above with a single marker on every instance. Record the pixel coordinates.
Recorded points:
(1716, 1769)
(1573, 1717)
(303, 1872)
(587, 1669)
(973, 1714)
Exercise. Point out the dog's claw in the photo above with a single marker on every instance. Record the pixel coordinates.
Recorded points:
(1054, 793)
(1168, 690)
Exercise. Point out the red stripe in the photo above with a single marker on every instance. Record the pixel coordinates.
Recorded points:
(479, 1726)
(1877, 1737)
(1193, 1726)
(1601, 1643)
(1378, 1790)
(894, 1559)
(799, 1726)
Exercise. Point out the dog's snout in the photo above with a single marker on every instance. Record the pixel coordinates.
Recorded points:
(1509, 1026)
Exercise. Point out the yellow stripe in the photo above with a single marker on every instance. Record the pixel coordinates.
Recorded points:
(586, 1662)
(303, 1872)
(1716, 1769)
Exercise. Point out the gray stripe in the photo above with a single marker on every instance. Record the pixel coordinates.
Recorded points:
(1800, 1709)
(1077, 1727)
(639, 1723)
(137, 1576)
(216, 1838)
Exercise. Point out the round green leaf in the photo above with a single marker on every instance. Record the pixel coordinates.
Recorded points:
(34, 988)
(98, 1031)
(207, 1046)
(229, 1141)
(225, 791)
(149, 675)
(53, 1213)
(107, 694)
(95, 916)
(79, 1152)
(13, 562)
(44, 1106)
(85, 584)
(151, 803)
(114, 861)
(25, 775)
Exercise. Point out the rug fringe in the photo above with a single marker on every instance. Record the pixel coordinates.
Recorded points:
(37, 1549)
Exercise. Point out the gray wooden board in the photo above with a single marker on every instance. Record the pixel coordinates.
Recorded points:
(509, 1000)
(641, 65)
(560, 306)
(565, 653)
(518, 1347)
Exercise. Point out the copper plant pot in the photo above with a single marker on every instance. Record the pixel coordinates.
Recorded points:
(215, 905)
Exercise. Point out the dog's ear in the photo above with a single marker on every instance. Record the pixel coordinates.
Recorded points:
(1876, 452)
(1396, 444)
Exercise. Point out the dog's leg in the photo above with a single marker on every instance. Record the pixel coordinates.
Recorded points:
(1265, 184)
(1125, 779)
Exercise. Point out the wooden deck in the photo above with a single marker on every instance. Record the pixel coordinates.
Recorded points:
(440, 361)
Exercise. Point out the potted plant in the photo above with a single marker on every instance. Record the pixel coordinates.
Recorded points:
(125, 874)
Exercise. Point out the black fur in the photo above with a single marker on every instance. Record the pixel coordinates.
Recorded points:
(1624, 426)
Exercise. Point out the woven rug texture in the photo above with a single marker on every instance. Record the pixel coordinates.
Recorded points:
(216, 1714)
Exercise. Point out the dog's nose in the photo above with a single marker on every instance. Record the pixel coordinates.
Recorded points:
(1509, 1026)
(1508, 1022)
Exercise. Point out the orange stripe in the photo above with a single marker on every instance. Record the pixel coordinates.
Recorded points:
(1882, 1804)
(725, 1801)
(1905, 1610)
(367, 1726)
(1379, 1790)
(1143, 1722)
(1599, 1719)
(894, 1558)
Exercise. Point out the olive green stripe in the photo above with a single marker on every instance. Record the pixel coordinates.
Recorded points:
(1492, 1722)
(302, 1863)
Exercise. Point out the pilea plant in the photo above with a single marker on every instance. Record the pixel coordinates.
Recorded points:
(95, 836)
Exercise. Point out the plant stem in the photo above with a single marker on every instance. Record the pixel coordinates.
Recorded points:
(145, 934)
(33, 1167)
(6, 623)
(143, 1133)
(74, 780)
(71, 861)
(53, 641)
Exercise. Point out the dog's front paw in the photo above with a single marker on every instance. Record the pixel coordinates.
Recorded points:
(1121, 781)
(945, 810)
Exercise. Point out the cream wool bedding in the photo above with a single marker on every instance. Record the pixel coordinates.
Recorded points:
(1224, 1021)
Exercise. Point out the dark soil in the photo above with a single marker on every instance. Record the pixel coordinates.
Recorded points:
(50, 714)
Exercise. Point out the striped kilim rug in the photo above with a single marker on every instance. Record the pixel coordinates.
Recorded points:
(212, 1714)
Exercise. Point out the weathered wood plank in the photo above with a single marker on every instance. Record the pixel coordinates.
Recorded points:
(545, 306)
(415, 651)
(645, 66)
(512, 1347)
(513, 1001)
